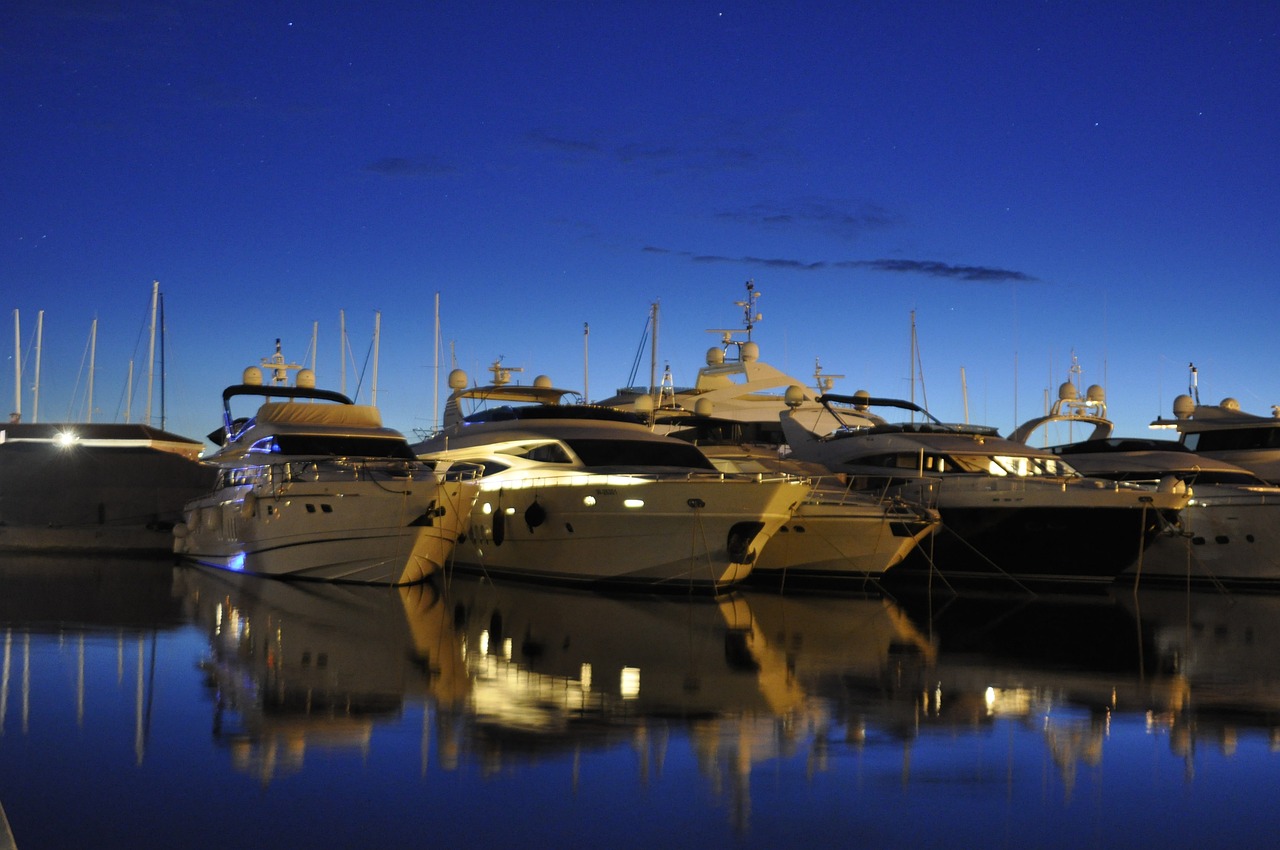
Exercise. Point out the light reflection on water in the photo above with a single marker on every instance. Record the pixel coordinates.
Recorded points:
(147, 706)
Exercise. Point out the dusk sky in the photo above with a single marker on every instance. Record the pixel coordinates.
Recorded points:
(1034, 180)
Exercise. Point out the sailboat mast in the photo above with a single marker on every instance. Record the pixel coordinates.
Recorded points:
(17, 367)
(35, 392)
(435, 367)
(377, 330)
(586, 333)
(163, 364)
(93, 354)
(342, 347)
(151, 347)
(653, 352)
(315, 337)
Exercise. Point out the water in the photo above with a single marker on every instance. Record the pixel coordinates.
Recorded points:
(146, 706)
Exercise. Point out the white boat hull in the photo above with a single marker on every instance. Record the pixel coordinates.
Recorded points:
(1231, 540)
(370, 532)
(837, 543)
(672, 532)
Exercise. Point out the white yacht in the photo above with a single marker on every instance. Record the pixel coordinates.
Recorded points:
(1226, 432)
(314, 486)
(837, 537)
(1228, 534)
(736, 385)
(591, 496)
(1009, 512)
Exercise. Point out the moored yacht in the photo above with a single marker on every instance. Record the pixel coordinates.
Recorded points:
(1227, 534)
(1009, 512)
(837, 537)
(589, 495)
(314, 486)
(1225, 432)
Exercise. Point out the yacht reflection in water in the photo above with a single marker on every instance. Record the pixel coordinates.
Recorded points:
(509, 675)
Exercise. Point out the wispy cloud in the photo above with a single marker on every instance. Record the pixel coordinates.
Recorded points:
(395, 166)
(662, 157)
(931, 268)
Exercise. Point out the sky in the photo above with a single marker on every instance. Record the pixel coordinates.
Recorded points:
(1031, 184)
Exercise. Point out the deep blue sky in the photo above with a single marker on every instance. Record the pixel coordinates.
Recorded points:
(1032, 179)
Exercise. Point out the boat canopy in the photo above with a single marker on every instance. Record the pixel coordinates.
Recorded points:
(337, 415)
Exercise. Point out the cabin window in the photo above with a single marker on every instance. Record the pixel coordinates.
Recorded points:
(638, 453)
(328, 445)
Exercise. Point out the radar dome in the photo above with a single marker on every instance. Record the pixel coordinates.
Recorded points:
(1095, 393)
(457, 380)
(703, 407)
(1067, 392)
(750, 352)
(542, 382)
(715, 357)
(1183, 406)
(794, 396)
(1229, 403)
(861, 400)
(305, 379)
(252, 376)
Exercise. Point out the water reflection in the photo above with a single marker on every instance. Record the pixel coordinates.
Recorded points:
(812, 711)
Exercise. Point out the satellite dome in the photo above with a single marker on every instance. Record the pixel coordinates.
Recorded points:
(794, 396)
(252, 376)
(542, 382)
(305, 379)
(703, 407)
(750, 352)
(1095, 393)
(1229, 403)
(715, 356)
(1183, 406)
(644, 404)
(1067, 392)
(861, 400)
(458, 380)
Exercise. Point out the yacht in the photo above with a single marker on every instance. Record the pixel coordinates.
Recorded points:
(1227, 534)
(1226, 432)
(734, 384)
(95, 488)
(314, 486)
(838, 537)
(1009, 512)
(589, 495)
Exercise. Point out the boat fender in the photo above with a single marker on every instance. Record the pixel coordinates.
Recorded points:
(499, 527)
(249, 506)
(535, 515)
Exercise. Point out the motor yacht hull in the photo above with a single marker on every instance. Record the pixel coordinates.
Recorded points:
(1039, 533)
(376, 531)
(676, 532)
(841, 544)
(1222, 540)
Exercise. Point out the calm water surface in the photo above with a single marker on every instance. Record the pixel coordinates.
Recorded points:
(146, 706)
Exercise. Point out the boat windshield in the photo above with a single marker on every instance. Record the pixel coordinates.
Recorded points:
(1233, 439)
(327, 445)
(1020, 466)
(638, 453)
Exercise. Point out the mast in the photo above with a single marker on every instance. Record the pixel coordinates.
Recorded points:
(17, 368)
(151, 350)
(315, 336)
(586, 333)
(128, 395)
(435, 368)
(377, 329)
(35, 392)
(342, 347)
(653, 351)
(163, 364)
(93, 353)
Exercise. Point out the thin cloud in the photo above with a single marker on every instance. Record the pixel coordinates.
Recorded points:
(395, 166)
(662, 157)
(932, 268)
